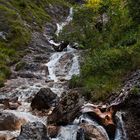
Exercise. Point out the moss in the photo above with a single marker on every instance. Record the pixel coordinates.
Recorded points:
(1, 82)
(20, 65)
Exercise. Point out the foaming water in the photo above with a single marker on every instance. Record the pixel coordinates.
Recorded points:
(120, 131)
(61, 67)
(60, 26)
(67, 133)
(52, 64)
(86, 119)
(55, 61)
(27, 116)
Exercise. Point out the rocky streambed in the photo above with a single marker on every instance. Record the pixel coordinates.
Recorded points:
(36, 103)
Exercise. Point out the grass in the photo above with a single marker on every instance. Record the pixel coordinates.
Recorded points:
(18, 19)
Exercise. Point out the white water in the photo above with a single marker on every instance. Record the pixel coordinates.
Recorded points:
(57, 72)
(120, 131)
(67, 133)
(2, 35)
(52, 64)
(86, 119)
(66, 68)
(60, 26)
(27, 116)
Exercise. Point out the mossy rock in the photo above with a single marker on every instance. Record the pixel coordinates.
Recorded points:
(20, 65)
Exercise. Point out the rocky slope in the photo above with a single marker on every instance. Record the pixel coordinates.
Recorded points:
(38, 104)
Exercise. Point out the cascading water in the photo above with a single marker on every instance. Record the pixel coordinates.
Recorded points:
(63, 24)
(61, 67)
(120, 131)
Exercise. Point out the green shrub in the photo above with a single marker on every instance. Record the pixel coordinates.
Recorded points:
(112, 52)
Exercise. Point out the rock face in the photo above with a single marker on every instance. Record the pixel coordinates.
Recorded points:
(33, 131)
(67, 109)
(132, 117)
(9, 121)
(44, 99)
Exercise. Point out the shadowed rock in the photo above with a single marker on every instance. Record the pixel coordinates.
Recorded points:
(44, 99)
(67, 109)
(61, 47)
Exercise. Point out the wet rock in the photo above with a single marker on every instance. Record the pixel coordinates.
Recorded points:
(92, 133)
(80, 134)
(26, 75)
(61, 47)
(64, 63)
(58, 13)
(67, 109)
(53, 131)
(9, 121)
(10, 103)
(105, 117)
(39, 43)
(8, 135)
(33, 131)
(44, 99)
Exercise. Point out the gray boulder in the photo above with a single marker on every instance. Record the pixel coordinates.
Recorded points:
(33, 131)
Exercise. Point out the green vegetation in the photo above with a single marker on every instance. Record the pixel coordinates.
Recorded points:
(135, 90)
(18, 19)
(110, 32)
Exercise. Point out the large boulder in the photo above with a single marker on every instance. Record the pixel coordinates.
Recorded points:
(67, 109)
(105, 116)
(9, 121)
(91, 133)
(33, 131)
(44, 99)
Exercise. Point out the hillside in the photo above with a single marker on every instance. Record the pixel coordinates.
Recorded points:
(69, 70)
(110, 34)
(18, 20)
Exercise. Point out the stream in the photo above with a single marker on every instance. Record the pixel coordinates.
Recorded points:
(61, 67)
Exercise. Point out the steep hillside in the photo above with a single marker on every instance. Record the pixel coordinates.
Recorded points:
(18, 20)
(110, 35)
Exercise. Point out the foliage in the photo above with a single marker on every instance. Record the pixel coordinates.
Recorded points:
(109, 34)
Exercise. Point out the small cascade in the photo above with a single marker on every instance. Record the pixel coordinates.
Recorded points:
(120, 131)
(67, 133)
(52, 64)
(61, 67)
(86, 119)
(27, 116)
(60, 26)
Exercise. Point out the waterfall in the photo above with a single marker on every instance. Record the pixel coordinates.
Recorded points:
(60, 26)
(61, 67)
(66, 68)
